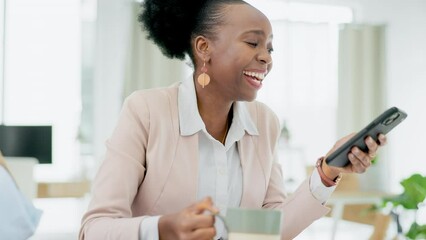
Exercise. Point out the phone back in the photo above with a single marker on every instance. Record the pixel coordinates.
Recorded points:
(382, 124)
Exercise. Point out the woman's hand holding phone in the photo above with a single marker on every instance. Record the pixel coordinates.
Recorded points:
(360, 161)
(354, 152)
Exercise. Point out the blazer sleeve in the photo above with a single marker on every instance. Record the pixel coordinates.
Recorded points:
(109, 214)
(299, 209)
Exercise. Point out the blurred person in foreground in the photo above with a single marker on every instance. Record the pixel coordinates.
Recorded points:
(18, 216)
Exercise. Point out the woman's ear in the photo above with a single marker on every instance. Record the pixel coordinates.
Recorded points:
(202, 48)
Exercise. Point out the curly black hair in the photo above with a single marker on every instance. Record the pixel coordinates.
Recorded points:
(171, 24)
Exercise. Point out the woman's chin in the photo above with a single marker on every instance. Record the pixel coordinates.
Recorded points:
(249, 97)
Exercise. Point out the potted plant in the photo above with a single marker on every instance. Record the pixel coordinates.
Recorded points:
(411, 199)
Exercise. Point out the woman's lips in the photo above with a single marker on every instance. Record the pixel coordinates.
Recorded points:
(255, 78)
(254, 82)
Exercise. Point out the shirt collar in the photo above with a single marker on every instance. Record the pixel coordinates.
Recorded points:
(190, 120)
(242, 117)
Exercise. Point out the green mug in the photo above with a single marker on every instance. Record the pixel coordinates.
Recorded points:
(252, 224)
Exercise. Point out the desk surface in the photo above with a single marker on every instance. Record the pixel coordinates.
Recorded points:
(70, 211)
(341, 198)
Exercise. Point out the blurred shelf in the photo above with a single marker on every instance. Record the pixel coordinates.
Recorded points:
(63, 189)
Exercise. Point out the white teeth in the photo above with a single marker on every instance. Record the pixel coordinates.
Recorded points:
(259, 76)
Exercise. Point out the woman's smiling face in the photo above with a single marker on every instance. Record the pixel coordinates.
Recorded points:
(240, 56)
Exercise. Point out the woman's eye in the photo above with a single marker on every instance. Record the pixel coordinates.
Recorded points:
(253, 44)
(270, 50)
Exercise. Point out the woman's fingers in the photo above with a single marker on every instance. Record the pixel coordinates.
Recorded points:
(359, 159)
(202, 221)
(359, 164)
(362, 160)
(203, 205)
(372, 147)
(190, 223)
(204, 233)
(382, 139)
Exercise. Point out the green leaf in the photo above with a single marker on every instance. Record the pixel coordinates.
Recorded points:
(414, 192)
(416, 231)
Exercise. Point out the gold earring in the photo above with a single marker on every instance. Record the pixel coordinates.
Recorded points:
(203, 79)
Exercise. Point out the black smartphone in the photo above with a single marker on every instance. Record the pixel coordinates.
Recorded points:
(382, 124)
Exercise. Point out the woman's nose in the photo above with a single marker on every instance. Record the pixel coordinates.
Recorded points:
(265, 57)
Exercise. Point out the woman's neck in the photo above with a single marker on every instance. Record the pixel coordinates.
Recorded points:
(215, 112)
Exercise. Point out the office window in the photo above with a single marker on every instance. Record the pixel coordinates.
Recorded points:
(42, 71)
(1, 55)
(302, 86)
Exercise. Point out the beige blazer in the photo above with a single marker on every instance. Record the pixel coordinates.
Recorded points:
(150, 169)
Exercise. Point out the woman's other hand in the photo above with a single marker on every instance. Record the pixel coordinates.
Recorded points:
(190, 223)
(360, 161)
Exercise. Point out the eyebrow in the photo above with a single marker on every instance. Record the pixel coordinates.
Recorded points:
(258, 32)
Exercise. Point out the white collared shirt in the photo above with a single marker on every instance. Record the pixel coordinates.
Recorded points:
(220, 172)
(219, 165)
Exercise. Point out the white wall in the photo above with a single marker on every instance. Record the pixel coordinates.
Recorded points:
(114, 25)
(122, 65)
(405, 76)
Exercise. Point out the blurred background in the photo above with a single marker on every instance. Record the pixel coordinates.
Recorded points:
(67, 65)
